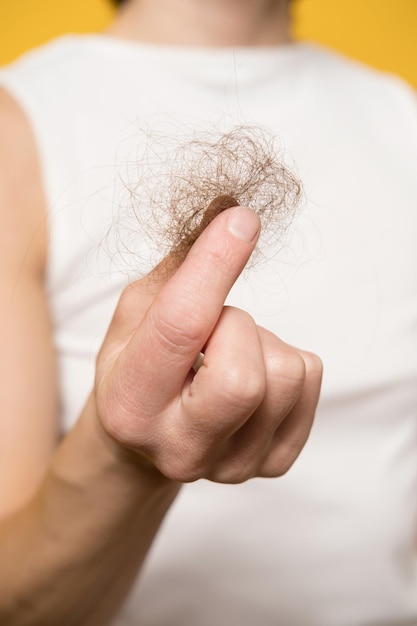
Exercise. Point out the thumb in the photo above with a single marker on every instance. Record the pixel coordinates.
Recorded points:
(160, 274)
(139, 295)
(186, 307)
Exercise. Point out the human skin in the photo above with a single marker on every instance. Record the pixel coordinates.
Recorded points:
(75, 510)
(207, 23)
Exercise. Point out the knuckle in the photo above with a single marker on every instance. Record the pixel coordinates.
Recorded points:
(284, 465)
(181, 460)
(232, 475)
(278, 467)
(291, 367)
(181, 471)
(314, 365)
(243, 389)
(176, 326)
(172, 335)
(283, 456)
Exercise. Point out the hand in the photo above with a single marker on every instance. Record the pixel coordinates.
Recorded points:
(248, 409)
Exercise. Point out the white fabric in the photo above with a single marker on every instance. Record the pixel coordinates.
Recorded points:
(333, 542)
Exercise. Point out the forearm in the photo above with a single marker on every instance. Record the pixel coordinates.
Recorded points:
(71, 555)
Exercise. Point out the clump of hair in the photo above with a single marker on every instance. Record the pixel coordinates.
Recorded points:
(182, 185)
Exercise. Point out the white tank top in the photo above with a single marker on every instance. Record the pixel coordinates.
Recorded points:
(332, 543)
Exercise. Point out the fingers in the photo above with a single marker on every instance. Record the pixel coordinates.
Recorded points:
(231, 383)
(291, 389)
(248, 410)
(285, 376)
(184, 313)
(292, 433)
(224, 393)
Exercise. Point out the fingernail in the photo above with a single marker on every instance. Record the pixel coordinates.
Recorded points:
(244, 224)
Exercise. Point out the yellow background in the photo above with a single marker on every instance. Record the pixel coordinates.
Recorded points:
(380, 32)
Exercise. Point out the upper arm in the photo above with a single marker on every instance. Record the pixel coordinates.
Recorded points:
(27, 365)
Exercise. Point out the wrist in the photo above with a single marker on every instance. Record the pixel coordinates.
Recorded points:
(111, 458)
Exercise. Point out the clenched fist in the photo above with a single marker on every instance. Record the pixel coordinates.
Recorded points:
(247, 411)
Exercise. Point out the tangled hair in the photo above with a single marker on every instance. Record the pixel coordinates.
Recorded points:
(182, 185)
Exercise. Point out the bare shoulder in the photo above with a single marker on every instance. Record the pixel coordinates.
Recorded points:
(22, 198)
